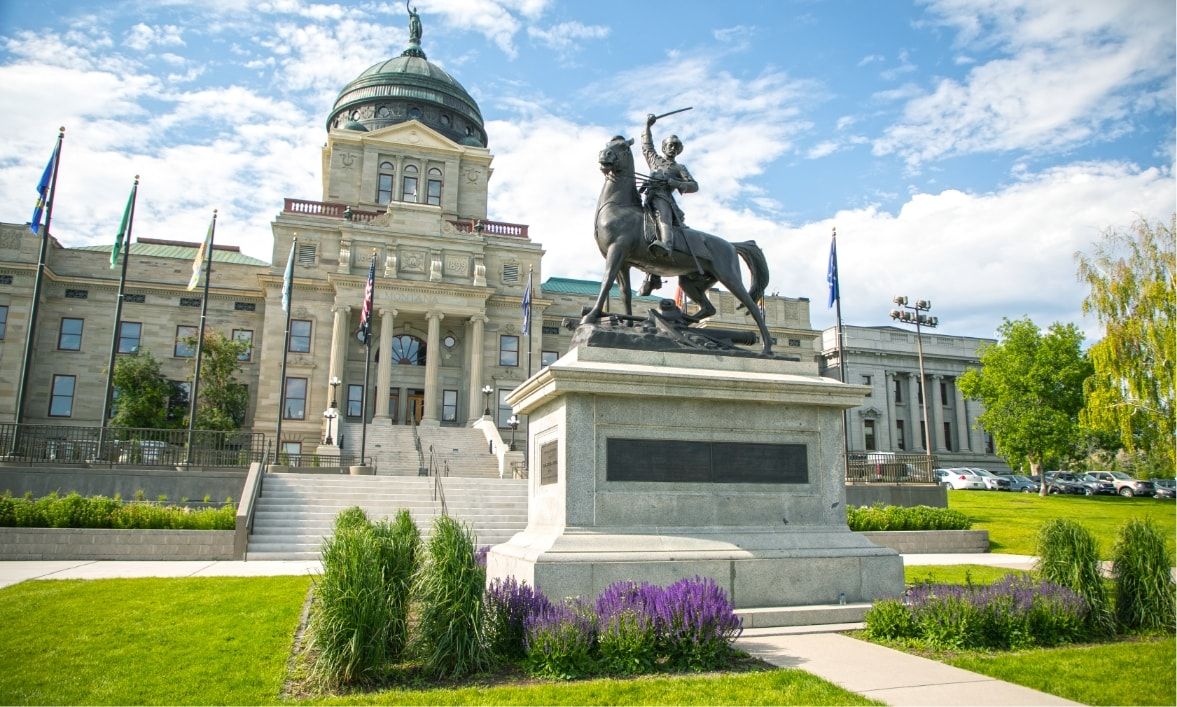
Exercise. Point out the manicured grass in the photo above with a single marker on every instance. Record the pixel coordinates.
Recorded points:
(772, 687)
(1013, 519)
(955, 574)
(147, 641)
(1124, 673)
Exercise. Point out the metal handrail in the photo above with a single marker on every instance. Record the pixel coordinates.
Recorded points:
(132, 446)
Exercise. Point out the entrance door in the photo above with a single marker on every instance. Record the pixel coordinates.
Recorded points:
(415, 408)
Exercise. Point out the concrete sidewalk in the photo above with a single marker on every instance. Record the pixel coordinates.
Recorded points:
(14, 572)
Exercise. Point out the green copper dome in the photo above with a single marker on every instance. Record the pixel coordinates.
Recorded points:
(409, 87)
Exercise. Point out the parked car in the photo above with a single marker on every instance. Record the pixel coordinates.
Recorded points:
(1096, 487)
(1022, 483)
(1125, 485)
(1064, 483)
(959, 479)
(1164, 488)
(880, 467)
(142, 451)
(993, 482)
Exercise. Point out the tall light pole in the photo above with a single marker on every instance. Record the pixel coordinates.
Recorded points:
(513, 423)
(909, 314)
(486, 391)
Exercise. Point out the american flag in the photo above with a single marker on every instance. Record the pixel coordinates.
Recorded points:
(366, 313)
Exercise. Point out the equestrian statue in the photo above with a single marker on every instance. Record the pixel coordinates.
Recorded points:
(653, 238)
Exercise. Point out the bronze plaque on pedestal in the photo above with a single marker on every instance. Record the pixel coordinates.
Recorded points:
(668, 460)
(549, 463)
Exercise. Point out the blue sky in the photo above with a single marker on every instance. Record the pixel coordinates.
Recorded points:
(964, 149)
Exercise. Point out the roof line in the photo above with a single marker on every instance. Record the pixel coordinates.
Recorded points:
(186, 244)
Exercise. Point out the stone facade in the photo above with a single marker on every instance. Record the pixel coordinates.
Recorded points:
(892, 418)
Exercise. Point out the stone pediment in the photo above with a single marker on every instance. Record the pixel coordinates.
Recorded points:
(414, 134)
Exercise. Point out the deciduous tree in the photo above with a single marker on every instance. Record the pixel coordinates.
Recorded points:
(142, 391)
(1031, 383)
(1132, 295)
(223, 400)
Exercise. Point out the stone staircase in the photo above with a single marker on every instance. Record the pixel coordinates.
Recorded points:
(296, 511)
(393, 449)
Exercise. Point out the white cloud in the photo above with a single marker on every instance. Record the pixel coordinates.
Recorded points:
(142, 37)
(566, 37)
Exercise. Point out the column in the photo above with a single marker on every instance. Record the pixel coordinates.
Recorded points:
(474, 374)
(889, 394)
(384, 367)
(936, 413)
(432, 361)
(913, 411)
(962, 424)
(338, 348)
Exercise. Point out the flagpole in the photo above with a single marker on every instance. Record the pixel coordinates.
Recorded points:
(366, 329)
(125, 238)
(30, 331)
(530, 324)
(208, 274)
(287, 300)
(839, 334)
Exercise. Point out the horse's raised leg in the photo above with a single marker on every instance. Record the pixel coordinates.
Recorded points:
(613, 260)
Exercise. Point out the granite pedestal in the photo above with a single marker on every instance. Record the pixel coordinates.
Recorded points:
(655, 466)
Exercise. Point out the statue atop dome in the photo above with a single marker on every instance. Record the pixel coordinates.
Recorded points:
(414, 33)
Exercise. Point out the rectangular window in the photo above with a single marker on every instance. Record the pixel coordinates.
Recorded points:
(948, 436)
(61, 401)
(300, 336)
(919, 393)
(130, 334)
(383, 188)
(923, 440)
(245, 336)
(868, 435)
(3, 320)
(355, 400)
(900, 436)
(70, 336)
(449, 406)
(409, 192)
(504, 410)
(296, 399)
(866, 380)
(989, 446)
(433, 192)
(508, 350)
(898, 390)
(292, 450)
(547, 358)
(944, 393)
(185, 348)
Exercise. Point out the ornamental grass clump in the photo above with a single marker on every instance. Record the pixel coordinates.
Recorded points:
(561, 642)
(398, 545)
(506, 605)
(449, 587)
(698, 624)
(1068, 556)
(628, 636)
(1144, 584)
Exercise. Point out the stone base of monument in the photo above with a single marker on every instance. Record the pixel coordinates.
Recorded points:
(653, 466)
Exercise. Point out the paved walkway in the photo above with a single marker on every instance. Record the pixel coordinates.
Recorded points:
(891, 676)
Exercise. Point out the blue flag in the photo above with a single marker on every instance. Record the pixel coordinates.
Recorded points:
(832, 273)
(527, 305)
(43, 192)
(288, 278)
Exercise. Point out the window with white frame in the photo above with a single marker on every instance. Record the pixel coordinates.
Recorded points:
(449, 406)
(409, 184)
(384, 182)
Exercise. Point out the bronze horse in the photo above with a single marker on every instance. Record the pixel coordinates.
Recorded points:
(619, 234)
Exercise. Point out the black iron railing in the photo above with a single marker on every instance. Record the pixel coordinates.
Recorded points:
(889, 468)
(320, 460)
(129, 446)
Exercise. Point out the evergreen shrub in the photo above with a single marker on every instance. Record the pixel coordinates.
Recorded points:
(879, 517)
(76, 511)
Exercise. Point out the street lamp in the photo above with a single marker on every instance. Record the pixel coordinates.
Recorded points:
(514, 424)
(334, 384)
(909, 314)
(329, 415)
(486, 391)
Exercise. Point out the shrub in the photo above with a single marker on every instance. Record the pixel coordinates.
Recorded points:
(398, 546)
(1068, 557)
(449, 587)
(628, 636)
(75, 511)
(879, 517)
(352, 630)
(506, 605)
(891, 619)
(1143, 583)
(698, 624)
(560, 642)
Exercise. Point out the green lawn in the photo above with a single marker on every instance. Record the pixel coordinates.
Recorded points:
(227, 641)
(1012, 519)
(955, 574)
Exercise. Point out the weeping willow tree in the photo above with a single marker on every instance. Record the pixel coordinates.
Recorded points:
(1131, 393)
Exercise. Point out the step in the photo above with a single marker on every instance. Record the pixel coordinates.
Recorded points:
(811, 615)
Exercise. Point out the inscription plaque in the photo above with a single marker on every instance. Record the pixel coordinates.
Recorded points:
(668, 460)
(549, 463)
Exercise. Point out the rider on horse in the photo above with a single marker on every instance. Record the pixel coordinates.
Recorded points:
(666, 177)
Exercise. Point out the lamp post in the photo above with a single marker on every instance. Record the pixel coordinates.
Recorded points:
(514, 424)
(329, 415)
(334, 384)
(486, 391)
(914, 314)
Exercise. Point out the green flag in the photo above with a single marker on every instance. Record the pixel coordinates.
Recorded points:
(118, 240)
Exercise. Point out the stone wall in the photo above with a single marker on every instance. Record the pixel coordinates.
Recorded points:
(217, 484)
(896, 495)
(104, 544)
(929, 541)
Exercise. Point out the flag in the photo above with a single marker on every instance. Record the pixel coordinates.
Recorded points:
(365, 333)
(832, 272)
(288, 278)
(680, 298)
(118, 240)
(201, 254)
(43, 191)
(527, 305)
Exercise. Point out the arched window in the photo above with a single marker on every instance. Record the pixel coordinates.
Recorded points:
(433, 187)
(384, 183)
(409, 184)
(408, 350)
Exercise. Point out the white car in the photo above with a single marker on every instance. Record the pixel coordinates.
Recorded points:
(958, 479)
(993, 482)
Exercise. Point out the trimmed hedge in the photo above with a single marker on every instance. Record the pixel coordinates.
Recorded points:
(878, 517)
(76, 511)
